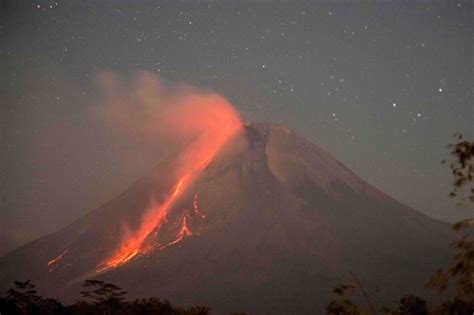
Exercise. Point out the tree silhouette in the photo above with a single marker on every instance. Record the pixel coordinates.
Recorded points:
(24, 299)
(460, 271)
(412, 305)
(341, 302)
(104, 295)
(98, 297)
(459, 275)
(462, 169)
(24, 294)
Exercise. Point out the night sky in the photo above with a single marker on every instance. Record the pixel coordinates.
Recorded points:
(382, 87)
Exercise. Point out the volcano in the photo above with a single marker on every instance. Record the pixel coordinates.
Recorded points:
(270, 225)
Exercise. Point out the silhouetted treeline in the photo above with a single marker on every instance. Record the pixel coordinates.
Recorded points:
(98, 297)
(410, 304)
(456, 278)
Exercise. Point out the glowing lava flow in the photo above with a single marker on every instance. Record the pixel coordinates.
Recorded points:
(152, 221)
(206, 121)
(196, 208)
(54, 260)
(184, 232)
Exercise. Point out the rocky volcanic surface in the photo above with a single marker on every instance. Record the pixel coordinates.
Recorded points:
(271, 225)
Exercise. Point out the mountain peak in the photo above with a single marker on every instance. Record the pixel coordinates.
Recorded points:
(294, 160)
(264, 128)
(272, 216)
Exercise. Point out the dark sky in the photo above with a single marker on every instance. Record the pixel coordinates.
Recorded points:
(382, 87)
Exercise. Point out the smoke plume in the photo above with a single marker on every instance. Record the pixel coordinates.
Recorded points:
(199, 123)
(195, 121)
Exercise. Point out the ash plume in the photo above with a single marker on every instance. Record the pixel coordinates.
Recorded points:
(192, 120)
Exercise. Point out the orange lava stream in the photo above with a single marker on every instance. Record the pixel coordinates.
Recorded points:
(133, 245)
(184, 232)
(220, 127)
(52, 261)
(196, 208)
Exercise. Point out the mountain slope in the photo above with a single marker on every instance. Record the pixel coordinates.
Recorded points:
(269, 226)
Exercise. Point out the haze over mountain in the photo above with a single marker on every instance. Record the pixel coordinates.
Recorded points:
(270, 225)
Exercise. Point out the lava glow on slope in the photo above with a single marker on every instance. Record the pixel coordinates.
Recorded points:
(54, 260)
(183, 232)
(196, 208)
(212, 122)
(133, 246)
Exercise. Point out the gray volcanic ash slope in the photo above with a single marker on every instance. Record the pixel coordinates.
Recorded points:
(271, 225)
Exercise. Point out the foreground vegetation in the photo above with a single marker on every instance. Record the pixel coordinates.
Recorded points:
(456, 281)
(98, 297)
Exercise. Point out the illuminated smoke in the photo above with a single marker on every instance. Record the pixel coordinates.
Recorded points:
(197, 122)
